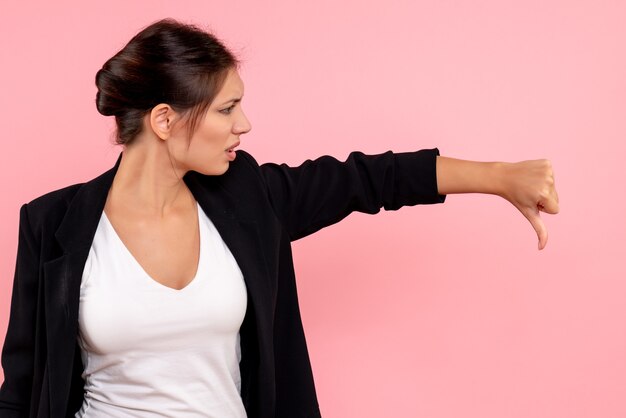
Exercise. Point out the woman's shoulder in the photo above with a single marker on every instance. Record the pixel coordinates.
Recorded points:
(61, 196)
(50, 206)
(58, 200)
(245, 161)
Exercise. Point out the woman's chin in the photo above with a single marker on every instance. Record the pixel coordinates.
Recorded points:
(215, 170)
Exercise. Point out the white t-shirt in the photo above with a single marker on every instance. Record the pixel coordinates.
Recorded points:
(153, 351)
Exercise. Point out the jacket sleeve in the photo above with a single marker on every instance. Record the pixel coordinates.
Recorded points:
(323, 191)
(18, 349)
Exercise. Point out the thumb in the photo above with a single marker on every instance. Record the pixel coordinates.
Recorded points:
(535, 220)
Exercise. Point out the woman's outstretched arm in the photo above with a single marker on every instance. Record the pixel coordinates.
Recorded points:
(528, 185)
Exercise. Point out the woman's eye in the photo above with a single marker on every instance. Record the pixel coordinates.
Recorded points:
(228, 109)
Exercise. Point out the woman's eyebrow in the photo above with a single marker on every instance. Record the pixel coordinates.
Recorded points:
(234, 100)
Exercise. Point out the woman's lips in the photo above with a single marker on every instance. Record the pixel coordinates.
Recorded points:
(230, 152)
(235, 145)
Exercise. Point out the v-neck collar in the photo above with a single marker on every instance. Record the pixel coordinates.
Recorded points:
(111, 232)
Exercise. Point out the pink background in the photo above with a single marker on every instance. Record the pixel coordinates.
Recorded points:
(431, 311)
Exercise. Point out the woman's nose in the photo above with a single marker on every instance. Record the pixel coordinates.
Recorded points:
(243, 124)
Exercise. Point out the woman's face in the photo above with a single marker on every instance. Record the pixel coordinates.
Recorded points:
(216, 133)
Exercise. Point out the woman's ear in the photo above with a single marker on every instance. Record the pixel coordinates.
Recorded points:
(162, 118)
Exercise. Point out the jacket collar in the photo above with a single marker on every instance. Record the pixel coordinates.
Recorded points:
(63, 275)
(77, 229)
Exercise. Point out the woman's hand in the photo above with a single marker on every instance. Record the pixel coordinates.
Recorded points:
(529, 186)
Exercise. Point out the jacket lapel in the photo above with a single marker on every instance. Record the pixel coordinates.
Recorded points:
(63, 275)
(62, 278)
(233, 219)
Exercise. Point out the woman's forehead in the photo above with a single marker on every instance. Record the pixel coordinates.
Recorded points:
(233, 83)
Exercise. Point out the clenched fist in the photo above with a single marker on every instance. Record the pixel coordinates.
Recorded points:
(529, 186)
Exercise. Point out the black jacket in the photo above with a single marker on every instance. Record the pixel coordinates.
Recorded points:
(258, 211)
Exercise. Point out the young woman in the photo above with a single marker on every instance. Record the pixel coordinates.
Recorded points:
(165, 286)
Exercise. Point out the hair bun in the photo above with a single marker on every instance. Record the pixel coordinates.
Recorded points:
(109, 101)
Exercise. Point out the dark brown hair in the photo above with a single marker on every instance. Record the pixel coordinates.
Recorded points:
(167, 62)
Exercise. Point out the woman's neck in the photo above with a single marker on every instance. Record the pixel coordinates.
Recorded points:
(147, 182)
